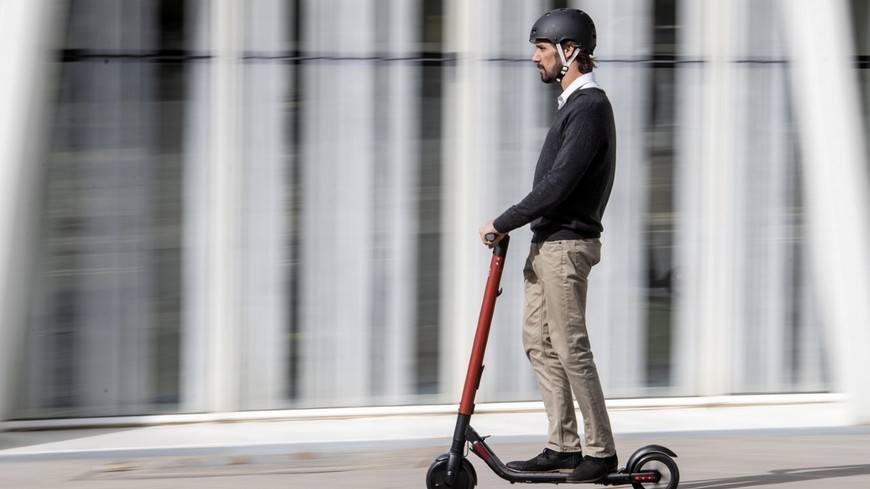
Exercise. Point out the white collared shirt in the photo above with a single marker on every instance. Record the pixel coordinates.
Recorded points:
(583, 81)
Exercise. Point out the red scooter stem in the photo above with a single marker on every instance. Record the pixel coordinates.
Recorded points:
(481, 336)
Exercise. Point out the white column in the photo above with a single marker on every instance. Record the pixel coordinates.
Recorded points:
(264, 296)
(836, 183)
(769, 277)
(397, 166)
(706, 182)
(337, 214)
(225, 183)
(465, 260)
(27, 33)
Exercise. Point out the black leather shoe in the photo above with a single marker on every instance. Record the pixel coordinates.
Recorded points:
(548, 461)
(592, 469)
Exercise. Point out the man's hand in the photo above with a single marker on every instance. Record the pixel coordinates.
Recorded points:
(489, 235)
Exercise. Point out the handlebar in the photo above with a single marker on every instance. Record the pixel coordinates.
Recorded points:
(501, 248)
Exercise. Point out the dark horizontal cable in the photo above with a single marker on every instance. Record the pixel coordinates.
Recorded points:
(425, 58)
(180, 56)
(658, 60)
(160, 56)
(299, 56)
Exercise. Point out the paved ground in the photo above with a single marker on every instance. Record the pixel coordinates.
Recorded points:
(796, 460)
(777, 447)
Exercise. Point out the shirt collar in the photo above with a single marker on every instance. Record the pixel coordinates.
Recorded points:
(583, 81)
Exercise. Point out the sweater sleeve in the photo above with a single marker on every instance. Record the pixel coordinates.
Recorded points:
(580, 138)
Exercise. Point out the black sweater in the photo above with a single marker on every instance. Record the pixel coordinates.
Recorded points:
(574, 174)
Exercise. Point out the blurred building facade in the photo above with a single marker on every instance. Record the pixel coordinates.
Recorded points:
(218, 206)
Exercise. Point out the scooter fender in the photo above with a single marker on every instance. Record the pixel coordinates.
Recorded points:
(640, 452)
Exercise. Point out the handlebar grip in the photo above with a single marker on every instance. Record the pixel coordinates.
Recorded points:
(490, 236)
(502, 246)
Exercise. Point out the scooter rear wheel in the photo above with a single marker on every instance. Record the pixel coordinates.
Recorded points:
(466, 477)
(665, 465)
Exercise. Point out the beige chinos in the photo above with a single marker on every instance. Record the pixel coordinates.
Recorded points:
(557, 343)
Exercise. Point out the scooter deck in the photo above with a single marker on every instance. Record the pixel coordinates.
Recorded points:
(617, 477)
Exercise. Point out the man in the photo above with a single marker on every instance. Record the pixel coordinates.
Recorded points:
(571, 187)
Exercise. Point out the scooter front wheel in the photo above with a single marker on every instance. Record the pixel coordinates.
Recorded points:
(661, 463)
(466, 477)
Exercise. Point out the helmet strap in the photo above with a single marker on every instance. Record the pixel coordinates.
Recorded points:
(566, 62)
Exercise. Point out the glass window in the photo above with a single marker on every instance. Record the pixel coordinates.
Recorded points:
(104, 332)
(306, 166)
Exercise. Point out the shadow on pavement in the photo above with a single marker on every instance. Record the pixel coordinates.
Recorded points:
(780, 477)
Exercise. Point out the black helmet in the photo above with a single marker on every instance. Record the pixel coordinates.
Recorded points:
(566, 24)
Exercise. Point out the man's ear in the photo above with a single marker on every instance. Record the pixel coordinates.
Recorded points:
(568, 49)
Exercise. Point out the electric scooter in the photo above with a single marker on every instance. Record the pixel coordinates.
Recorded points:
(652, 466)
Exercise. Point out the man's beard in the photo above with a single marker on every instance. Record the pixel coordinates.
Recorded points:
(549, 76)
